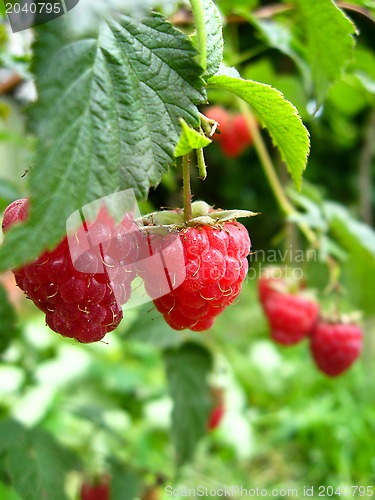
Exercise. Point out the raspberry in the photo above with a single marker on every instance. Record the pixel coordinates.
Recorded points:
(275, 280)
(335, 346)
(241, 130)
(96, 491)
(15, 212)
(221, 116)
(291, 317)
(216, 266)
(79, 301)
(234, 135)
(216, 417)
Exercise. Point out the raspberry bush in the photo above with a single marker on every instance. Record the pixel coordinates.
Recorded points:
(137, 108)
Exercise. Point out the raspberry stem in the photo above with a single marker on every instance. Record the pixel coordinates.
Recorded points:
(201, 164)
(186, 188)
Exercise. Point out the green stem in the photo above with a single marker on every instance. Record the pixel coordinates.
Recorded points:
(270, 172)
(187, 189)
(198, 13)
(201, 164)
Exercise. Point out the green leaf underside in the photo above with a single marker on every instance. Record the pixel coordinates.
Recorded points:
(214, 37)
(35, 462)
(107, 119)
(190, 139)
(278, 115)
(329, 42)
(8, 321)
(187, 371)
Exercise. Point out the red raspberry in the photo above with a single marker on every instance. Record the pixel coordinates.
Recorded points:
(291, 317)
(216, 416)
(221, 116)
(241, 130)
(234, 134)
(230, 144)
(216, 266)
(335, 346)
(271, 282)
(15, 212)
(96, 491)
(80, 301)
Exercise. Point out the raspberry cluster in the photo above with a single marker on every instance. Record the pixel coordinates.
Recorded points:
(191, 273)
(216, 266)
(234, 136)
(81, 299)
(334, 343)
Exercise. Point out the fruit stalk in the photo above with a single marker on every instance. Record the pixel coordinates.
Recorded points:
(187, 188)
(201, 164)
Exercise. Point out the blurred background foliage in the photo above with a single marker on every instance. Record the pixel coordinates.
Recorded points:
(71, 412)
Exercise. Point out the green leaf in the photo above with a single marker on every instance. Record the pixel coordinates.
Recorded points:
(278, 115)
(7, 493)
(125, 483)
(107, 119)
(11, 432)
(149, 327)
(329, 42)
(37, 464)
(190, 139)
(214, 37)
(279, 37)
(358, 239)
(8, 321)
(187, 371)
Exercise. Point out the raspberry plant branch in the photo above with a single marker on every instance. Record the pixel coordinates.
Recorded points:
(197, 8)
(186, 187)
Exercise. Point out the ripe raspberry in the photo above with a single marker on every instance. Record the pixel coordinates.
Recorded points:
(221, 116)
(96, 491)
(335, 346)
(216, 417)
(271, 282)
(234, 135)
(216, 266)
(80, 287)
(241, 130)
(291, 317)
(230, 144)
